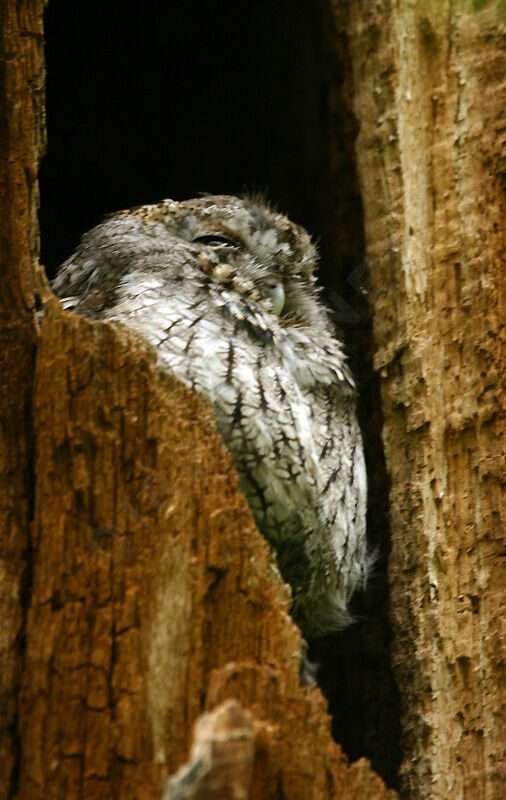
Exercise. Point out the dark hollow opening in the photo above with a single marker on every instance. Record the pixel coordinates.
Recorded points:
(170, 100)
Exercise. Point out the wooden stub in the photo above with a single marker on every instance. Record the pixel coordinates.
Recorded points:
(221, 760)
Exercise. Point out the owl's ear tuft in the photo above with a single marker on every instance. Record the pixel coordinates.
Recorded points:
(260, 209)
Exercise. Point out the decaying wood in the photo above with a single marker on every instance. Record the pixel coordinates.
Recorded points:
(429, 95)
(154, 597)
(21, 142)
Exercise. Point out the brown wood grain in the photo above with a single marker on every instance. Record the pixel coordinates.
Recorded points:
(429, 96)
(21, 143)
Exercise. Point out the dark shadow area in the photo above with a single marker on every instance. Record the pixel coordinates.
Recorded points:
(176, 99)
(171, 100)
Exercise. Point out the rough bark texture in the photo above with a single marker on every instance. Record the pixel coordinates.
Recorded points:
(428, 84)
(21, 142)
(154, 597)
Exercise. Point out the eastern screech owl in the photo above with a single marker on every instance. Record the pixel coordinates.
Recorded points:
(225, 290)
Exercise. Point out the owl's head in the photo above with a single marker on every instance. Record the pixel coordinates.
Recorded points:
(251, 249)
(256, 254)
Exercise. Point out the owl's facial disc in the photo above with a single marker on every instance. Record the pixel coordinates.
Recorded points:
(220, 239)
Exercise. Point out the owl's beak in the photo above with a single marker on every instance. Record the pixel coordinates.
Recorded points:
(278, 299)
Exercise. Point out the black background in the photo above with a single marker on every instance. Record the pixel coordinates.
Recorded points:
(174, 99)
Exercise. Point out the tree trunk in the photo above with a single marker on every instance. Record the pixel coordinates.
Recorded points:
(429, 96)
(138, 599)
(21, 143)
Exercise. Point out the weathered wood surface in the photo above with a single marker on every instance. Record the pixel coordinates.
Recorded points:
(21, 144)
(428, 83)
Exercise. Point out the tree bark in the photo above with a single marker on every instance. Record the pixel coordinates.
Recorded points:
(22, 141)
(429, 96)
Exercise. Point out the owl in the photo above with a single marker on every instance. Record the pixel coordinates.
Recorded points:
(225, 290)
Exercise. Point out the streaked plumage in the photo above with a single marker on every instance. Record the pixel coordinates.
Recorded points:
(225, 290)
